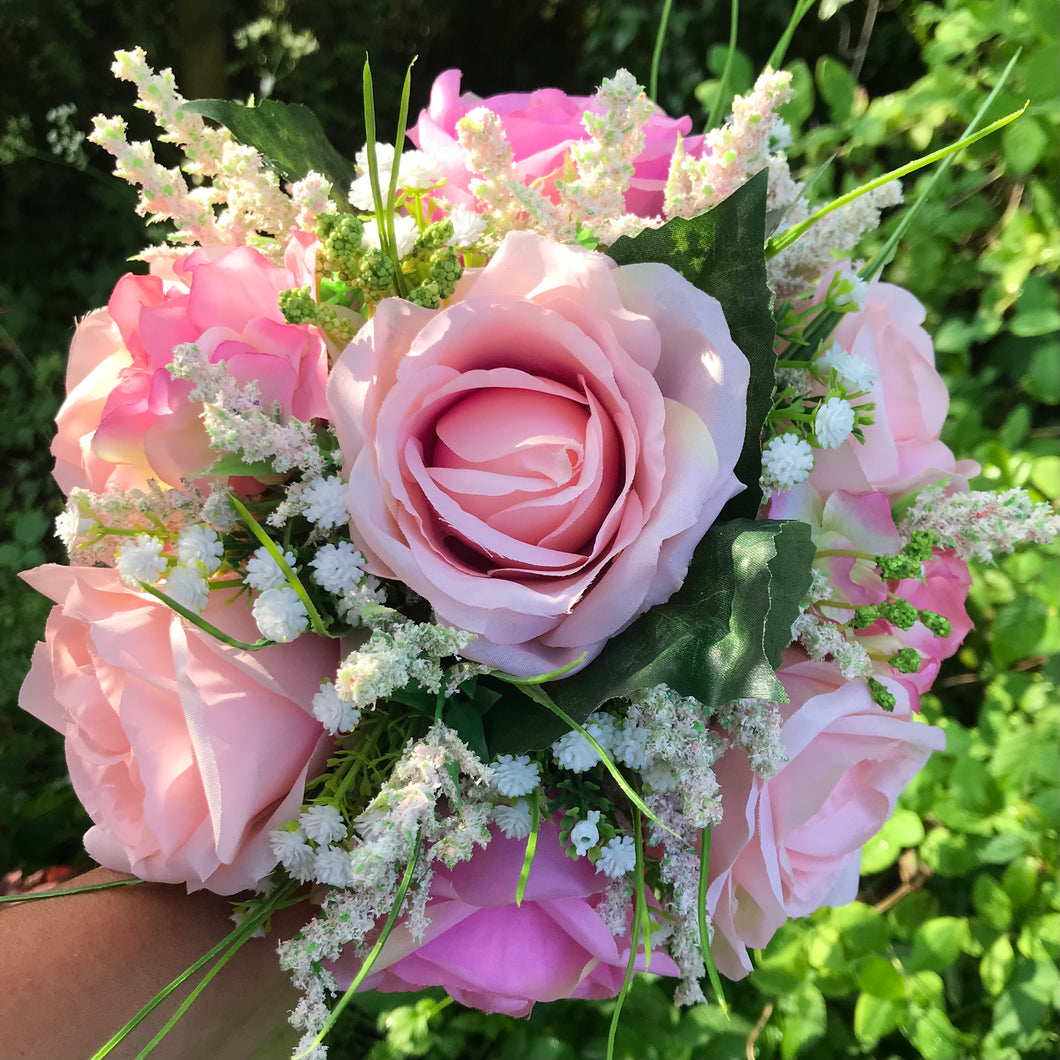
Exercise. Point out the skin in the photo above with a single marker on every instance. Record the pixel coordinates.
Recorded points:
(77, 967)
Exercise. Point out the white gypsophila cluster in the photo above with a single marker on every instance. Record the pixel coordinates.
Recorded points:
(94, 526)
(396, 654)
(852, 372)
(468, 227)
(356, 606)
(755, 726)
(787, 460)
(677, 734)
(514, 776)
(325, 502)
(280, 614)
(235, 196)
(832, 422)
(335, 714)
(575, 753)
(852, 292)
(586, 833)
(293, 853)
(825, 640)
(188, 588)
(435, 801)
(980, 525)
(199, 546)
(679, 868)
(263, 572)
(618, 856)
(515, 820)
(337, 568)
(141, 560)
(323, 823)
(235, 420)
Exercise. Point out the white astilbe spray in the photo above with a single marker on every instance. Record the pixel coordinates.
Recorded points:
(238, 199)
(396, 654)
(435, 799)
(981, 525)
(754, 725)
(237, 423)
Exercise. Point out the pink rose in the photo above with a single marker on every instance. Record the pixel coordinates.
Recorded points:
(490, 954)
(184, 752)
(540, 459)
(126, 420)
(541, 127)
(791, 844)
(902, 451)
(863, 523)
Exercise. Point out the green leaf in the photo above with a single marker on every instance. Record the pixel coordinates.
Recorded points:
(1020, 881)
(879, 977)
(995, 969)
(836, 86)
(718, 638)
(903, 829)
(938, 943)
(991, 902)
(874, 1017)
(806, 1019)
(722, 253)
(288, 135)
(1023, 144)
(934, 1036)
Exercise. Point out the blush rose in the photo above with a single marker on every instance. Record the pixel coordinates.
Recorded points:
(125, 420)
(902, 450)
(541, 127)
(490, 954)
(789, 845)
(185, 752)
(539, 459)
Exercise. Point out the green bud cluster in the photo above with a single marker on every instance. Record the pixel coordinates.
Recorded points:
(376, 271)
(922, 544)
(865, 615)
(906, 660)
(936, 623)
(298, 307)
(341, 245)
(880, 695)
(900, 613)
(899, 567)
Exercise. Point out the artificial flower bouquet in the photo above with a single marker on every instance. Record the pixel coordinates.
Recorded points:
(531, 546)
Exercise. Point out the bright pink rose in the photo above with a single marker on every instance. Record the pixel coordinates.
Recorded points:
(902, 451)
(863, 523)
(490, 954)
(541, 127)
(184, 752)
(540, 459)
(791, 844)
(126, 420)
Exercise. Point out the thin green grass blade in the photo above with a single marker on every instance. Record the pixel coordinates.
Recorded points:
(86, 889)
(734, 22)
(236, 937)
(704, 936)
(373, 162)
(656, 55)
(776, 59)
(399, 140)
(531, 850)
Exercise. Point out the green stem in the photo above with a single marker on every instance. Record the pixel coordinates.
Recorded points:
(86, 889)
(656, 56)
(531, 849)
(704, 935)
(776, 60)
(278, 557)
(734, 21)
(206, 627)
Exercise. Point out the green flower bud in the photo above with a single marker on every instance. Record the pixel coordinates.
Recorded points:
(377, 270)
(936, 623)
(896, 568)
(900, 613)
(880, 694)
(298, 307)
(906, 660)
(865, 616)
(921, 544)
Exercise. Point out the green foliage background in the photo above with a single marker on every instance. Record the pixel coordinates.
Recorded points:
(953, 950)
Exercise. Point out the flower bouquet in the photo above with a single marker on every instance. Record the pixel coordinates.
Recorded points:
(528, 548)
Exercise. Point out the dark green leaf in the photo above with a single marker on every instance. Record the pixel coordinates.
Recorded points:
(722, 252)
(718, 638)
(288, 135)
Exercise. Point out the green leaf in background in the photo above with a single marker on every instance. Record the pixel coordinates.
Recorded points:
(288, 135)
(718, 638)
(722, 252)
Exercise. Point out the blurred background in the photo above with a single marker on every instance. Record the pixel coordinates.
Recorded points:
(953, 950)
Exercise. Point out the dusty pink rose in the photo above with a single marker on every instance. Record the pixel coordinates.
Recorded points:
(540, 459)
(126, 420)
(490, 954)
(184, 752)
(902, 451)
(541, 126)
(863, 523)
(791, 844)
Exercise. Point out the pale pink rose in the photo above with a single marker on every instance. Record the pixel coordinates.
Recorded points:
(863, 523)
(184, 752)
(902, 451)
(541, 127)
(490, 954)
(126, 420)
(540, 459)
(792, 844)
